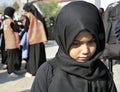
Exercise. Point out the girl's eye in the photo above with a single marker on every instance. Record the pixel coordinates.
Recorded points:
(92, 41)
(76, 43)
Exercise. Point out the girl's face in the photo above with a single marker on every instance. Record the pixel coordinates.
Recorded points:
(83, 47)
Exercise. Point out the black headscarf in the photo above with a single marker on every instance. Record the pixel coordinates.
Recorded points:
(29, 7)
(73, 76)
(9, 11)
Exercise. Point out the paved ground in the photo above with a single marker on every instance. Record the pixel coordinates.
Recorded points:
(23, 84)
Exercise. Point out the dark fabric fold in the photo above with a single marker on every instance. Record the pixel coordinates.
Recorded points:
(69, 75)
(89, 70)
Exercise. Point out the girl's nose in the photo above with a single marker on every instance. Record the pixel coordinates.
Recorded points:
(85, 49)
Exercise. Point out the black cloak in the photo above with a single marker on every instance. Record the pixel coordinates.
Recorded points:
(64, 74)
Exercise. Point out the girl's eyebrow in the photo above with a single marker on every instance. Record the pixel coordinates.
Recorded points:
(93, 38)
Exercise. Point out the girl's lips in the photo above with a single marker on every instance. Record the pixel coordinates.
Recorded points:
(83, 58)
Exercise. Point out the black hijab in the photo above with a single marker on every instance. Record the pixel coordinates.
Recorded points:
(9, 11)
(73, 76)
(29, 7)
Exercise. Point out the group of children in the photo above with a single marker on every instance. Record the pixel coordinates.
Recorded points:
(24, 41)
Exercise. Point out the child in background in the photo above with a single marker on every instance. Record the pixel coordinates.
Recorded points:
(36, 38)
(12, 41)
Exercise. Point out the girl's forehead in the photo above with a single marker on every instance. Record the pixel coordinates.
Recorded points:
(84, 33)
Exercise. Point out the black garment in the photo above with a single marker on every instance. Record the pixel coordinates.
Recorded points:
(37, 50)
(64, 74)
(48, 75)
(3, 50)
(27, 23)
(111, 16)
(15, 27)
(9, 11)
(29, 7)
(13, 60)
(36, 57)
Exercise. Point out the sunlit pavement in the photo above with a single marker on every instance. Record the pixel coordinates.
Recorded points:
(22, 83)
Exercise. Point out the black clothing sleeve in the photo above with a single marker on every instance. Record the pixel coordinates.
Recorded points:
(42, 79)
(15, 27)
(1, 31)
(27, 23)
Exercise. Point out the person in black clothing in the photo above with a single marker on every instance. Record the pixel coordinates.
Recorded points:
(79, 33)
(12, 39)
(36, 38)
(2, 48)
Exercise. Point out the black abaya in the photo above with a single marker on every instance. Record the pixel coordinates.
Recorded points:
(64, 74)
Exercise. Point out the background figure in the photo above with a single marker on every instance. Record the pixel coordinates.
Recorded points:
(24, 39)
(117, 34)
(36, 37)
(79, 33)
(101, 11)
(12, 41)
(112, 49)
(3, 50)
(117, 30)
(52, 21)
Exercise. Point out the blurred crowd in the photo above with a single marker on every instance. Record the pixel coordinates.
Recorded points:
(23, 39)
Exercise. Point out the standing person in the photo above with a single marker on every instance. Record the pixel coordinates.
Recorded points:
(24, 38)
(36, 39)
(76, 66)
(12, 41)
(101, 11)
(3, 50)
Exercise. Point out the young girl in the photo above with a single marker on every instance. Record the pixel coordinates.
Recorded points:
(36, 38)
(12, 41)
(76, 67)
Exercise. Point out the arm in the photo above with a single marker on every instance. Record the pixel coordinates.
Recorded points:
(15, 27)
(40, 83)
(27, 23)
